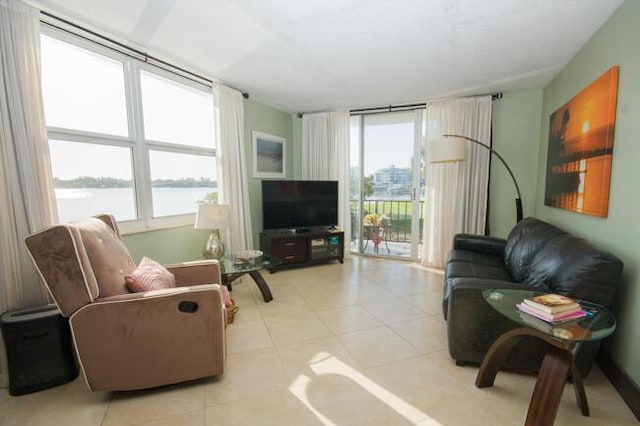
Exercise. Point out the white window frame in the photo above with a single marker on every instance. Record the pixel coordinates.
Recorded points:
(136, 141)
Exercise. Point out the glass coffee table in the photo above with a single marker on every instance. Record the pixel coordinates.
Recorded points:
(232, 270)
(565, 340)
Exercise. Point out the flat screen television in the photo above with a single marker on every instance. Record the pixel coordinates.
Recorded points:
(299, 204)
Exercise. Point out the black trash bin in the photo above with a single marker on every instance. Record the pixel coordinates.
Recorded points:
(39, 349)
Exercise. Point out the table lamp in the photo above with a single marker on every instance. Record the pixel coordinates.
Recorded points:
(213, 217)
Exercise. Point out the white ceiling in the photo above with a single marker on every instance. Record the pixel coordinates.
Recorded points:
(316, 55)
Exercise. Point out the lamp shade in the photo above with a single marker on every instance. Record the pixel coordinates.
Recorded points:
(212, 216)
(447, 150)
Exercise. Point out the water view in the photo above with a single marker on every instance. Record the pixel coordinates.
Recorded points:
(76, 203)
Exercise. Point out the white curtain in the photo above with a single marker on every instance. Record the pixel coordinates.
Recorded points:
(233, 170)
(456, 193)
(26, 183)
(325, 156)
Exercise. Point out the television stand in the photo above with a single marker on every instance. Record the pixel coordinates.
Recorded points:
(302, 249)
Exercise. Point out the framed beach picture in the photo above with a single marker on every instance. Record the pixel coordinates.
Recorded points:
(268, 155)
(580, 150)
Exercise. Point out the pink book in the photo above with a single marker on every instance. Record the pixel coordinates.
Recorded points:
(551, 318)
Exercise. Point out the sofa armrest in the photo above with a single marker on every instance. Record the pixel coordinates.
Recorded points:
(466, 293)
(480, 243)
(472, 324)
(152, 338)
(195, 273)
(480, 284)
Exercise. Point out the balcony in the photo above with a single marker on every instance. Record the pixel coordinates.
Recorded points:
(391, 234)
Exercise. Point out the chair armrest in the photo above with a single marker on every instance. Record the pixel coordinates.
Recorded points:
(143, 340)
(157, 293)
(480, 243)
(195, 273)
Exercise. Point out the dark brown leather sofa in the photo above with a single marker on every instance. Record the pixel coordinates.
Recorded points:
(536, 256)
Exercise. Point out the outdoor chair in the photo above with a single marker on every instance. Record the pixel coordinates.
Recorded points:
(375, 234)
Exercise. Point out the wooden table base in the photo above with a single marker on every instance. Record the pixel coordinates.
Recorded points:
(227, 279)
(557, 365)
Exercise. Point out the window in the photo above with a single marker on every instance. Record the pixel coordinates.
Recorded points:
(82, 90)
(175, 113)
(124, 137)
(84, 188)
(173, 199)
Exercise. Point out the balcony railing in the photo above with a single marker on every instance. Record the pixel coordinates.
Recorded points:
(398, 212)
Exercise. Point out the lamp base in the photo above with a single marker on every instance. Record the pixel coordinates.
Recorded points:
(214, 249)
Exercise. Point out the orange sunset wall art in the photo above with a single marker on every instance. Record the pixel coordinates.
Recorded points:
(581, 148)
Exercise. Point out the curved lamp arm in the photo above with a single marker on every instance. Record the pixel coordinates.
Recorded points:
(493, 151)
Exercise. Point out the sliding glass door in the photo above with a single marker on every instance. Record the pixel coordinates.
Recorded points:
(386, 185)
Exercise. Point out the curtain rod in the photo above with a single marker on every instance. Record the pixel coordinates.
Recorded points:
(403, 107)
(409, 107)
(128, 50)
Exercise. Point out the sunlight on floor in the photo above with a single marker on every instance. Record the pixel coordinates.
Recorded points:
(324, 364)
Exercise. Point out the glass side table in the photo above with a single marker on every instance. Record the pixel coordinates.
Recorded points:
(232, 270)
(565, 340)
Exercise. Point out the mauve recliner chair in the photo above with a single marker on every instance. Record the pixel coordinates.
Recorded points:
(126, 341)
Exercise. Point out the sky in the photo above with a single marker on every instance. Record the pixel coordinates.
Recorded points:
(386, 144)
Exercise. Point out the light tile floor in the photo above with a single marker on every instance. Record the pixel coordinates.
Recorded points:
(362, 343)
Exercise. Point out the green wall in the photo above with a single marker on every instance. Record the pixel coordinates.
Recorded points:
(516, 136)
(179, 244)
(266, 119)
(615, 43)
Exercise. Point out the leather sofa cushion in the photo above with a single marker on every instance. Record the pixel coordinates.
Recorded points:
(572, 266)
(473, 270)
(529, 246)
(515, 235)
(474, 257)
(526, 239)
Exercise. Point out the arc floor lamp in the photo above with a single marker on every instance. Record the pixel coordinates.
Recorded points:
(455, 151)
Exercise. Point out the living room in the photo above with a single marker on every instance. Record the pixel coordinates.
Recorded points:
(520, 129)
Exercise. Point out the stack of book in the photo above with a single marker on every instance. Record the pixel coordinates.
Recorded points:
(553, 308)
